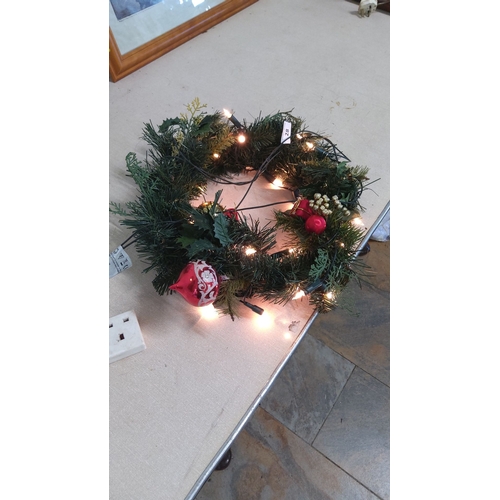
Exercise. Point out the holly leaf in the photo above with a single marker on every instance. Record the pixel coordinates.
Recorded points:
(215, 203)
(168, 123)
(342, 168)
(199, 246)
(221, 230)
(204, 126)
(185, 241)
(200, 220)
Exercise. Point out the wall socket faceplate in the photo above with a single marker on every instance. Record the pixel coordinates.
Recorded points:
(125, 337)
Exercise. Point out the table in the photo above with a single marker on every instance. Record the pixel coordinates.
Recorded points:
(176, 407)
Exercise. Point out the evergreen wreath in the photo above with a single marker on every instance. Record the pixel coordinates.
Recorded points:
(169, 232)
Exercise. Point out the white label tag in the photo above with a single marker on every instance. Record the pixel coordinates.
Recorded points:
(118, 261)
(287, 131)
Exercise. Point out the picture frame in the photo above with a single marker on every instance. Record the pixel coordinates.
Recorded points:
(123, 62)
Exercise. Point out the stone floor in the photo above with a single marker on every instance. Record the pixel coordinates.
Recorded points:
(322, 431)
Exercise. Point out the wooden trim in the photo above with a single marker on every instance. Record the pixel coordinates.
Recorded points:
(122, 65)
(385, 6)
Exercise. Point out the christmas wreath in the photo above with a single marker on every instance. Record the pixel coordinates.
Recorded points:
(213, 254)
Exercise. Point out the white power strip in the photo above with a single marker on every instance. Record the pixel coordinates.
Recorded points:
(125, 336)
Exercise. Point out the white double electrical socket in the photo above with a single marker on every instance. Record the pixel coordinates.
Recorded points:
(125, 336)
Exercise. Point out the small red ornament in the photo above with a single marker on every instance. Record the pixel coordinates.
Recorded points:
(232, 214)
(198, 284)
(302, 209)
(315, 224)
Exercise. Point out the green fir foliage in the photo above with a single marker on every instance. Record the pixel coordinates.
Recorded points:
(187, 152)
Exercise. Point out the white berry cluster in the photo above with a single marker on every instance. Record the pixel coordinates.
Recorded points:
(340, 206)
(320, 204)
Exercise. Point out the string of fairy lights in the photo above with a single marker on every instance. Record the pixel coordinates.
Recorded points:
(319, 204)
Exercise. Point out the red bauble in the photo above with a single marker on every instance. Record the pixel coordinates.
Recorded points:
(232, 214)
(315, 224)
(302, 209)
(198, 283)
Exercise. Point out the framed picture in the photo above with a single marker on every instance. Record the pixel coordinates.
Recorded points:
(140, 31)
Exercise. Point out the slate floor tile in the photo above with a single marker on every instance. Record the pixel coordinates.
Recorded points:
(271, 463)
(378, 261)
(306, 389)
(363, 338)
(355, 436)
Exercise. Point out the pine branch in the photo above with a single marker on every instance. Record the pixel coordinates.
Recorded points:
(227, 301)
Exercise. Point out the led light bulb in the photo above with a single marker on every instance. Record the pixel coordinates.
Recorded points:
(250, 251)
(358, 222)
(209, 312)
(278, 182)
(299, 295)
(241, 138)
(216, 155)
(263, 321)
(232, 119)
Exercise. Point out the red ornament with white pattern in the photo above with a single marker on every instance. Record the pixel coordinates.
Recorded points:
(198, 283)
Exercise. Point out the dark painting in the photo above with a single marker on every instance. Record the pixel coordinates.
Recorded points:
(125, 8)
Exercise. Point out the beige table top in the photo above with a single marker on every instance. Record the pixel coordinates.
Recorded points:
(175, 406)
